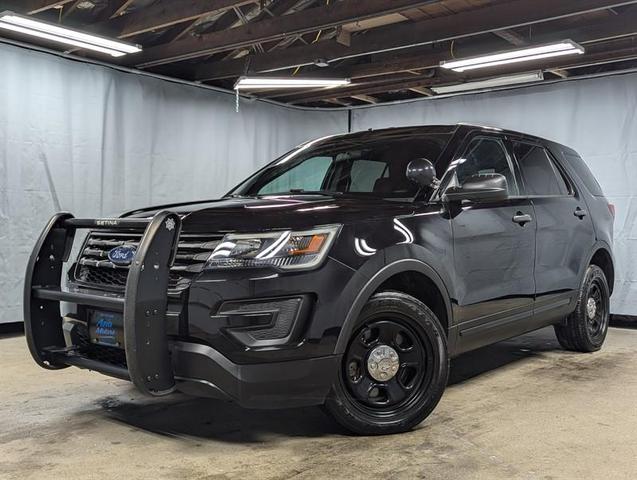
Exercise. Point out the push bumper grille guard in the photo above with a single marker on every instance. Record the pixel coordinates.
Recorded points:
(143, 306)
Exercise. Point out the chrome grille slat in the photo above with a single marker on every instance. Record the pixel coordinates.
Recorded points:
(95, 270)
(198, 245)
(90, 252)
(111, 243)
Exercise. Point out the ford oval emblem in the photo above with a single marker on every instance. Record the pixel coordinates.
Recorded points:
(122, 255)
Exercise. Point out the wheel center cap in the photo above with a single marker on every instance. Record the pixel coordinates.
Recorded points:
(383, 363)
(591, 308)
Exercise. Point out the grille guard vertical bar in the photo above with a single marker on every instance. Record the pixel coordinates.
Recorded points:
(146, 345)
(42, 318)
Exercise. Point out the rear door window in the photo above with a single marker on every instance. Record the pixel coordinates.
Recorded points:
(541, 175)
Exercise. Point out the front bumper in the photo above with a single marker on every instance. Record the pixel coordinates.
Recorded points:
(154, 360)
(202, 371)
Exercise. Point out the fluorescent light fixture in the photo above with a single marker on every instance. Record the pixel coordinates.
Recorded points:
(566, 47)
(491, 83)
(246, 83)
(67, 36)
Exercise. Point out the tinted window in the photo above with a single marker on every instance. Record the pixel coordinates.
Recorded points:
(483, 156)
(541, 176)
(584, 173)
(307, 176)
(353, 166)
(365, 173)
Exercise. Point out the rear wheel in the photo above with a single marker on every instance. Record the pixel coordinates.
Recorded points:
(395, 368)
(586, 327)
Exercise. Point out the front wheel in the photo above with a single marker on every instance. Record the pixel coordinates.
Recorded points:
(395, 368)
(586, 327)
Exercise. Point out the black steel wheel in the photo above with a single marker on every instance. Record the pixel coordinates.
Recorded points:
(587, 326)
(395, 368)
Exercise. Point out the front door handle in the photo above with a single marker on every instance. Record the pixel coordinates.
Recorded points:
(579, 213)
(522, 218)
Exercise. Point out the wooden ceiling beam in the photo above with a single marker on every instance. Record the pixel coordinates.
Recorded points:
(360, 90)
(366, 98)
(424, 91)
(598, 54)
(31, 7)
(403, 36)
(120, 9)
(511, 36)
(310, 20)
(162, 14)
(336, 101)
(366, 83)
(617, 26)
(36, 6)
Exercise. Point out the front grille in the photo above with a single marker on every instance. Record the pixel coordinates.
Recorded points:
(94, 269)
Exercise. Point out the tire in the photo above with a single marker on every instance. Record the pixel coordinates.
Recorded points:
(586, 327)
(364, 399)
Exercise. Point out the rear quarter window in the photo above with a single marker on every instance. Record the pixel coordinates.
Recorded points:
(584, 173)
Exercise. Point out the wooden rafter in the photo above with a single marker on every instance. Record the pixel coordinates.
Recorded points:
(36, 6)
(310, 20)
(422, 59)
(487, 19)
(164, 14)
(383, 87)
(598, 54)
(366, 98)
(424, 91)
(383, 46)
(120, 8)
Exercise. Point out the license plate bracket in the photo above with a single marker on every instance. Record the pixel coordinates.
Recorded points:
(106, 328)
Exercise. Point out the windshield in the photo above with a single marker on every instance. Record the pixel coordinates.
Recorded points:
(347, 166)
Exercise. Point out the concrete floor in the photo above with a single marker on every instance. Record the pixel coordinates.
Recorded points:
(522, 409)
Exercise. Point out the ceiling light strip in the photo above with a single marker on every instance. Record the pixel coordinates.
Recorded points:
(566, 47)
(245, 83)
(67, 36)
(491, 83)
(517, 60)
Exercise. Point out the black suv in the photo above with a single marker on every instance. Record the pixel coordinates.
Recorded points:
(344, 274)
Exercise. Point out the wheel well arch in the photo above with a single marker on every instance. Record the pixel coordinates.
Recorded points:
(419, 286)
(399, 274)
(603, 260)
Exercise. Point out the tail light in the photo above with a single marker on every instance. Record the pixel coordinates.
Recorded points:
(611, 208)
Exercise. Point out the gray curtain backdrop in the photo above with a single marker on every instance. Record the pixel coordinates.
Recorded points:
(597, 117)
(94, 141)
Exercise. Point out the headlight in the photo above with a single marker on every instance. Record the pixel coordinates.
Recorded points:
(285, 250)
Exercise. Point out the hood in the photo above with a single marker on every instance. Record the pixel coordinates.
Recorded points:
(245, 214)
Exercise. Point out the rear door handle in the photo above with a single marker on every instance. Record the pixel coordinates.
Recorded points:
(522, 218)
(579, 213)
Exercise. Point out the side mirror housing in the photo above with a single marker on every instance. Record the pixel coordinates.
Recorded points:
(422, 172)
(479, 188)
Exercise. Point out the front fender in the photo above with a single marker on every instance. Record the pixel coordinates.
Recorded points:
(370, 283)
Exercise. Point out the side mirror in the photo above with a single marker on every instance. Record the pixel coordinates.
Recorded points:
(422, 172)
(479, 188)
